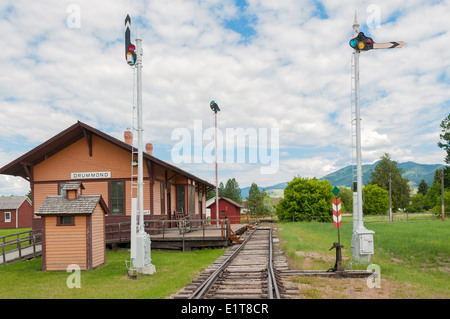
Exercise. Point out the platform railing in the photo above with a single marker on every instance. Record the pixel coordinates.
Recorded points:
(19, 242)
(120, 232)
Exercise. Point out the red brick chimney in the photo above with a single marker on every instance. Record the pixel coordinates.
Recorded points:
(128, 136)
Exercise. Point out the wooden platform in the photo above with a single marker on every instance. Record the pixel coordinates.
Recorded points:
(201, 238)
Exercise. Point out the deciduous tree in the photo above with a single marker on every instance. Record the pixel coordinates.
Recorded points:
(376, 200)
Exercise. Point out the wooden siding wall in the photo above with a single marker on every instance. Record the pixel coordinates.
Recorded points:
(98, 237)
(76, 158)
(65, 245)
(41, 191)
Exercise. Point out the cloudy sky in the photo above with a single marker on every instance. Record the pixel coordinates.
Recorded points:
(278, 69)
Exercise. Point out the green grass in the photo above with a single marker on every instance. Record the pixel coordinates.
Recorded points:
(174, 270)
(414, 253)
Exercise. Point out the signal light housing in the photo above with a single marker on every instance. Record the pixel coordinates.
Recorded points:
(361, 42)
(213, 105)
(130, 48)
(130, 52)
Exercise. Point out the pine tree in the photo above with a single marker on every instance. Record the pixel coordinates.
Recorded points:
(255, 200)
(423, 187)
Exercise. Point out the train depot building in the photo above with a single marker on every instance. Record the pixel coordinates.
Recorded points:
(104, 166)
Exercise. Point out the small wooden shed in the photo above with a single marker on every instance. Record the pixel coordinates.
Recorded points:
(227, 209)
(73, 229)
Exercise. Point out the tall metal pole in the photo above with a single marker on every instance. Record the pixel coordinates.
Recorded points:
(359, 182)
(359, 221)
(217, 170)
(215, 108)
(139, 129)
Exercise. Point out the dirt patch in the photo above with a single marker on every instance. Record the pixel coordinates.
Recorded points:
(315, 255)
(349, 288)
(344, 288)
(313, 259)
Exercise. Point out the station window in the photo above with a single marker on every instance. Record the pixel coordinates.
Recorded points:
(117, 198)
(191, 197)
(161, 191)
(65, 221)
(180, 198)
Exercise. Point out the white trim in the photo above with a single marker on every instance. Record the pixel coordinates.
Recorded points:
(8, 220)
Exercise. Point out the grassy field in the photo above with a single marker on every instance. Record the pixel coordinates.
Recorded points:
(414, 258)
(413, 255)
(174, 270)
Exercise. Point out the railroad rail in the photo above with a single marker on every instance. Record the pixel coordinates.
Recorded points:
(247, 271)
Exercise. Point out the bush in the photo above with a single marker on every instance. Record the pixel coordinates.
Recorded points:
(376, 200)
(305, 197)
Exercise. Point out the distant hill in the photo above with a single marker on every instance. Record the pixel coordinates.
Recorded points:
(343, 177)
(413, 171)
(273, 191)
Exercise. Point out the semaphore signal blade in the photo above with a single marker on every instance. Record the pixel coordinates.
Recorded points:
(389, 45)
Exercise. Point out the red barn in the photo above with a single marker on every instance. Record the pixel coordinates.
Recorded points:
(15, 212)
(227, 209)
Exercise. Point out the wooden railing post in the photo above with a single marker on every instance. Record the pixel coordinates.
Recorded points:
(19, 247)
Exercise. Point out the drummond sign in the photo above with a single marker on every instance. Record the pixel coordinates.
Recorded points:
(90, 175)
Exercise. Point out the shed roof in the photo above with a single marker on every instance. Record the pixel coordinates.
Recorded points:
(72, 186)
(12, 202)
(228, 200)
(59, 205)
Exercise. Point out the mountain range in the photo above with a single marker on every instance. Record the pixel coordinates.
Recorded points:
(343, 177)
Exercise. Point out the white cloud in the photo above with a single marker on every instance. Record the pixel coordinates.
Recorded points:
(293, 73)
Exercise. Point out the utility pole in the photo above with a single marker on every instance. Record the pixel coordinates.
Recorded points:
(442, 192)
(391, 218)
(140, 240)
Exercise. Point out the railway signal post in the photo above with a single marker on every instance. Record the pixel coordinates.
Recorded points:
(215, 108)
(140, 257)
(362, 238)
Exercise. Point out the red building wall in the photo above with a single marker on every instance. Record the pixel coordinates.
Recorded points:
(24, 214)
(226, 210)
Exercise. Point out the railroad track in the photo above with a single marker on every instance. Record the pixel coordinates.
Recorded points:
(251, 270)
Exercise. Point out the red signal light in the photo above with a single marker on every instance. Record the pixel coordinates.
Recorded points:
(131, 47)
